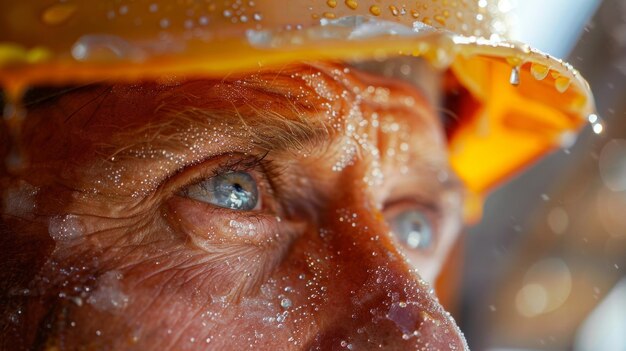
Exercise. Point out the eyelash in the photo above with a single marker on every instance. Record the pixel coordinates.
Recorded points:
(267, 182)
(241, 164)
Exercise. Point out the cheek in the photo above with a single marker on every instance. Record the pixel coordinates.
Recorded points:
(428, 265)
(207, 226)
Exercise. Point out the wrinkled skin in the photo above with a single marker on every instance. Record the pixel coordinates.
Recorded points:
(103, 250)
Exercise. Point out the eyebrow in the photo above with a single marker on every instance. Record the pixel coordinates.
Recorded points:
(273, 117)
(183, 126)
(269, 130)
(286, 126)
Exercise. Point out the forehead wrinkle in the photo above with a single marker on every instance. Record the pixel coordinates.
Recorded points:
(288, 126)
(265, 106)
(261, 107)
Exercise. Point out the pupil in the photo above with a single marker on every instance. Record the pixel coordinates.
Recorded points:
(238, 187)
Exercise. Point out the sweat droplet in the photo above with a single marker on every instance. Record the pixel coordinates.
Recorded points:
(58, 13)
(108, 294)
(65, 228)
(539, 71)
(285, 303)
(514, 78)
(331, 3)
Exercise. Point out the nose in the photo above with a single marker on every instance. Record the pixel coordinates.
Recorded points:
(375, 299)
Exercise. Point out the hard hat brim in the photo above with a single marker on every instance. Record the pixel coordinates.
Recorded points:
(521, 102)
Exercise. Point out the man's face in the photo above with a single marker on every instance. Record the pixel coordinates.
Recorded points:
(285, 209)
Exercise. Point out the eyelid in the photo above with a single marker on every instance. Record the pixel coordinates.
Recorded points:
(210, 167)
(197, 219)
(255, 165)
(406, 202)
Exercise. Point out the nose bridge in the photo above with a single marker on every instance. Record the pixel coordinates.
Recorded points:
(361, 234)
(366, 251)
(384, 300)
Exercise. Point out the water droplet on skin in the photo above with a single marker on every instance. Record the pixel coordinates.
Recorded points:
(65, 228)
(394, 10)
(20, 200)
(57, 14)
(514, 78)
(164, 23)
(331, 3)
(281, 317)
(375, 10)
(539, 71)
(108, 294)
(285, 303)
(353, 4)
(257, 16)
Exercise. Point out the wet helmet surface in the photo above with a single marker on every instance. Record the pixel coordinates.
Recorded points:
(503, 95)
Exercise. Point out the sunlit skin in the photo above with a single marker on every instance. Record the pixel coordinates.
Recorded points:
(106, 249)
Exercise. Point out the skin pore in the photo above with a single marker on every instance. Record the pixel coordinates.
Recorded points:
(114, 241)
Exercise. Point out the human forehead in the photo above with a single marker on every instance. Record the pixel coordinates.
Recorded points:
(324, 99)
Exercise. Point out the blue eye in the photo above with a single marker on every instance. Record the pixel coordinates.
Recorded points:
(413, 229)
(234, 190)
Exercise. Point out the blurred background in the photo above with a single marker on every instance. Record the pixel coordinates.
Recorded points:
(545, 268)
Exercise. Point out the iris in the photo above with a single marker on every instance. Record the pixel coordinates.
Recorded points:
(233, 190)
(413, 229)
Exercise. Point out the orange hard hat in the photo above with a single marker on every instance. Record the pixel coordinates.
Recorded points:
(513, 103)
